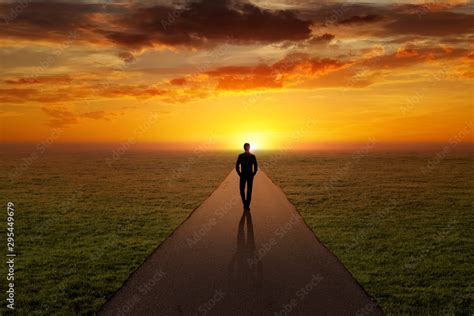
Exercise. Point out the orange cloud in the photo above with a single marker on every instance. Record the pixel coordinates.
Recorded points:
(178, 81)
(297, 70)
(406, 52)
(63, 117)
(411, 55)
(40, 80)
(287, 72)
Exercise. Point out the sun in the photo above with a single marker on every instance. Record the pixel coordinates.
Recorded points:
(257, 140)
(261, 141)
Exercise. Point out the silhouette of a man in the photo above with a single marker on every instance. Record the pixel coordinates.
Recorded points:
(246, 167)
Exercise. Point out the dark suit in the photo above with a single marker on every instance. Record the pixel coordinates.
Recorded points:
(246, 167)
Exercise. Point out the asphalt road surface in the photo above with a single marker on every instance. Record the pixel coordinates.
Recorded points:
(225, 261)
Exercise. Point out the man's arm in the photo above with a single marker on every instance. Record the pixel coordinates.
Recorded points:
(237, 165)
(255, 167)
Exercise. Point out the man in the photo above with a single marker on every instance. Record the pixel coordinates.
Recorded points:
(246, 167)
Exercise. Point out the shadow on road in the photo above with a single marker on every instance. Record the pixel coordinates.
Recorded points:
(245, 268)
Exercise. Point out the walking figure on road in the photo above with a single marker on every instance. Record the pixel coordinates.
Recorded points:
(246, 167)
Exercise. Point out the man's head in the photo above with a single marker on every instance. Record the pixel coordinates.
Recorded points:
(247, 147)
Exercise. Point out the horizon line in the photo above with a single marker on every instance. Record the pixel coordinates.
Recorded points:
(369, 145)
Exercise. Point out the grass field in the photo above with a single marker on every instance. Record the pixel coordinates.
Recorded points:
(82, 226)
(404, 233)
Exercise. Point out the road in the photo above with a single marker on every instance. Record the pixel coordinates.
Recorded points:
(224, 261)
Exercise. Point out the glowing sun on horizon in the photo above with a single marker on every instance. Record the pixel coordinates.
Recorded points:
(257, 141)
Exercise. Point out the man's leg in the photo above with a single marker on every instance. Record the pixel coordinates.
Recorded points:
(249, 190)
(242, 189)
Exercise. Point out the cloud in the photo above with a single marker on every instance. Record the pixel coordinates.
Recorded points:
(406, 52)
(320, 39)
(45, 20)
(59, 89)
(349, 19)
(296, 70)
(206, 23)
(178, 81)
(60, 117)
(411, 54)
(439, 24)
(63, 117)
(127, 57)
(286, 72)
(20, 95)
(469, 74)
(323, 38)
(197, 24)
(56, 79)
(370, 18)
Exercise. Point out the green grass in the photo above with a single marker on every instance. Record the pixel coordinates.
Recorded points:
(404, 235)
(82, 227)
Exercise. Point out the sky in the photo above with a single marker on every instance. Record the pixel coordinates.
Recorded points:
(299, 74)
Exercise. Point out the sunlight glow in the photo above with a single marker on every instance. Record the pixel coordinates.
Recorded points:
(257, 141)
